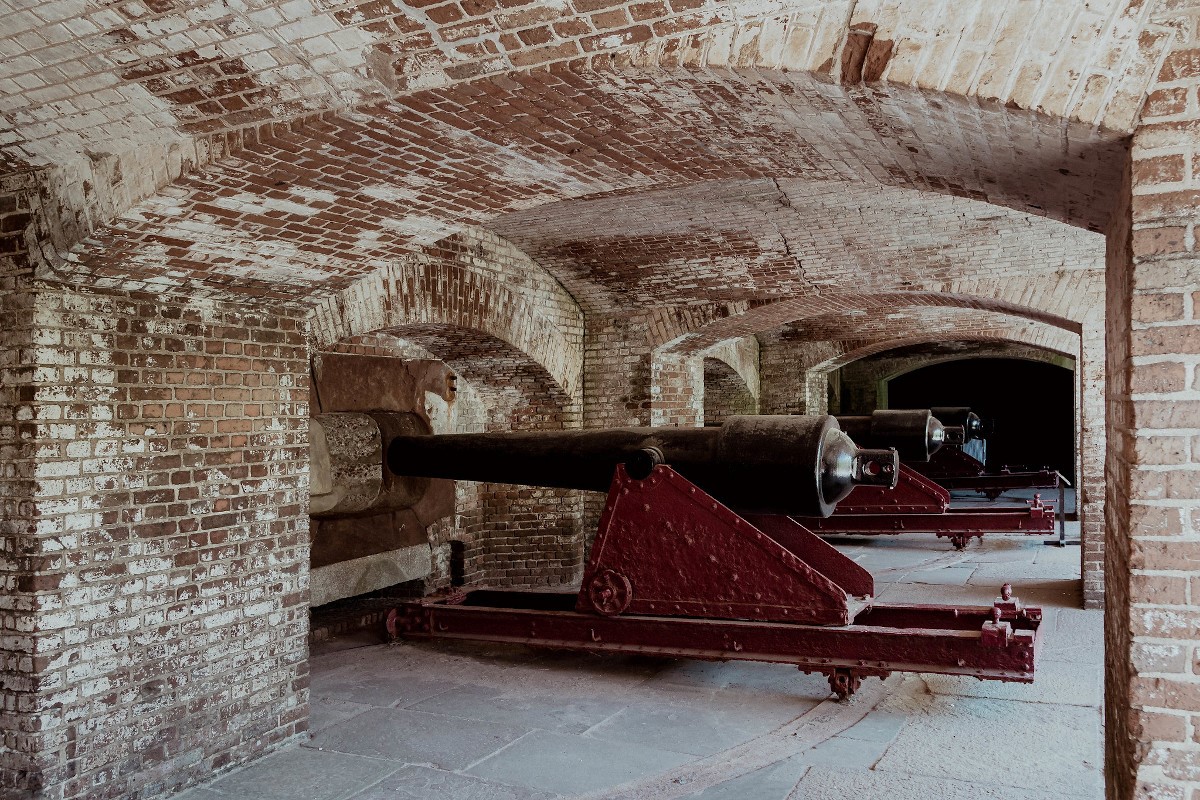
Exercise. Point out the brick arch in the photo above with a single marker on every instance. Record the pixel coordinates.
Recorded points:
(163, 114)
(816, 377)
(863, 381)
(1008, 350)
(391, 49)
(842, 304)
(520, 392)
(1055, 342)
(363, 187)
(461, 309)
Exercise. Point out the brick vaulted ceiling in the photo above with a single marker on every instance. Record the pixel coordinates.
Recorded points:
(639, 179)
(553, 159)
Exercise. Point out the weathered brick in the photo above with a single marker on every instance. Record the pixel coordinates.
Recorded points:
(1160, 241)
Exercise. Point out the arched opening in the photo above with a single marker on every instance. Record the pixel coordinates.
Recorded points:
(457, 380)
(725, 393)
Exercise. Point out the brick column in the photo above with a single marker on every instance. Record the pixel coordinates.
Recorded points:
(676, 390)
(1153, 505)
(616, 372)
(785, 364)
(22, 759)
(1089, 472)
(162, 568)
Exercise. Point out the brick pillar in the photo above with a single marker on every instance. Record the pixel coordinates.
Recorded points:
(616, 372)
(1152, 596)
(165, 575)
(676, 390)
(1089, 472)
(23, 763)
(785, 364)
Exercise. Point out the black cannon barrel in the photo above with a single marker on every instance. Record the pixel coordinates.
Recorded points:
(973, 427)
(916, 434)
(798, 465)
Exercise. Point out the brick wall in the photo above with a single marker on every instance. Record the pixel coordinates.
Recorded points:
(168, 564)
(1153, 522)
(1090, 406)
(1121, 723)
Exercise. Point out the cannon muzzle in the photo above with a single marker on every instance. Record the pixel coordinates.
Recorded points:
(973, 427)
(796, 465)
(916, 435)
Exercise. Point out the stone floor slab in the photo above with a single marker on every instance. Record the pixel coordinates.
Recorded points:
(423, 783)
(382, 686)
(877, 726)
(324, 712)
(991, 741)
(200, 794)
(945, 576)
(301, 772)
(832, 783)
(845, 753)
(1058, 682)
(574, 764)
(414, 737)
(699, 728)
(996, 573)
(769, 783)
(552, 712)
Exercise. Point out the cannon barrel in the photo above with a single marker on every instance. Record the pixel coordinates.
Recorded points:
(916, 434)
(972, 425)
(798, 465)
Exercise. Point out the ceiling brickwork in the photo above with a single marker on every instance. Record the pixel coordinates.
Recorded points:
(755, 163)
(770, 239)
(78, 74)
(315, 208)
(906, 322)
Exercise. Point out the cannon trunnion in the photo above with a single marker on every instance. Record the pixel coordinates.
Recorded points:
(676, 571)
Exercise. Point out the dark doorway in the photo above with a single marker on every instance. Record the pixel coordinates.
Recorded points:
(1031, 403)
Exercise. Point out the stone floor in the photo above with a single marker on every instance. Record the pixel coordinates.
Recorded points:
(487, 722)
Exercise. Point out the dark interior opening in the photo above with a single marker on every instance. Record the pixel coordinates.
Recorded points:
(458, 562)
(1031, 403)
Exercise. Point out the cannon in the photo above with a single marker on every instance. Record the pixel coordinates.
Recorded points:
(962, 417)
(919, 505)
(761, 464)
(695, 556)
(916, 435)
(920, 502)
(954, 469)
